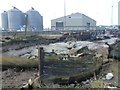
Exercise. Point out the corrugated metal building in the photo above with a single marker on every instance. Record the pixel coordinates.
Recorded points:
(4, 20)
(119, 14)
(75, 21)
(14, 19)
(34, 20)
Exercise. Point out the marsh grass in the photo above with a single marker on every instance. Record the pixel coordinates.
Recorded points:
(13, 62)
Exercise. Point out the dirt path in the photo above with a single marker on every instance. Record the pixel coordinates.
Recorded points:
(13, 79)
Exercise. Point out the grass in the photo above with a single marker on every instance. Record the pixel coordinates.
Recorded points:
(13, 61)
(112, 68)
(43, 35)
(5, 36)
(51, 35)
(52, 57)
(97, 84)
(28, 38)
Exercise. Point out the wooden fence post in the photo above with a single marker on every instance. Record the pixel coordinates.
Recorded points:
(41, 62)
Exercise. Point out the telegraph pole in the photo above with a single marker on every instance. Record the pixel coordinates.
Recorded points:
(64, 14)
(112, 17)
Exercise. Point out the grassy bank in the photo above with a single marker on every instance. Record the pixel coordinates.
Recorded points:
(16, 62)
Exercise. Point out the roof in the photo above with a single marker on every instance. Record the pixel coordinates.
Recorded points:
(74, 15)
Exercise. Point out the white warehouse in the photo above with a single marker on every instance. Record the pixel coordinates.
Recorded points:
(75, 21)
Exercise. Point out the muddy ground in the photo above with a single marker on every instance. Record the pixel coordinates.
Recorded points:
(22, 42)
(13, 79)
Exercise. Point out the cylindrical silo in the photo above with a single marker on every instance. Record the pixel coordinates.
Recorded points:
(24, 18)
(34, 20)
(15, 19)
(4, 20)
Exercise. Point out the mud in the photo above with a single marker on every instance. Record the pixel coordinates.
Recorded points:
(13, 79)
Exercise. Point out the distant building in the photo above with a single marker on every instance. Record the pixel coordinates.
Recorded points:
(103, 27)
(34, 20)
(119, 14)
(15, 20)
(75, 21)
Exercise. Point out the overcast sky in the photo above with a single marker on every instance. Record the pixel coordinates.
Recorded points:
(99, 10)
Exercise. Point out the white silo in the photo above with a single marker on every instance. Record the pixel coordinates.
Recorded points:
(15, 19)
(4, 20)
(34, 20)
(24, 18)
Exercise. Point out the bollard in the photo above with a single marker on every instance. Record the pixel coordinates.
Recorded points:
(41, 62)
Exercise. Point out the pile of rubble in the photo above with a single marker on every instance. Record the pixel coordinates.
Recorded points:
(70, 47)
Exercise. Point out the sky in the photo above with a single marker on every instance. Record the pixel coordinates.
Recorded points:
(99, 10)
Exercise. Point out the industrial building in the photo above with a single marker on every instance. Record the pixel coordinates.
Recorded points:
(4, 20)
(34, 20)
(119, 14)
(75, 21)
(14, 20)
